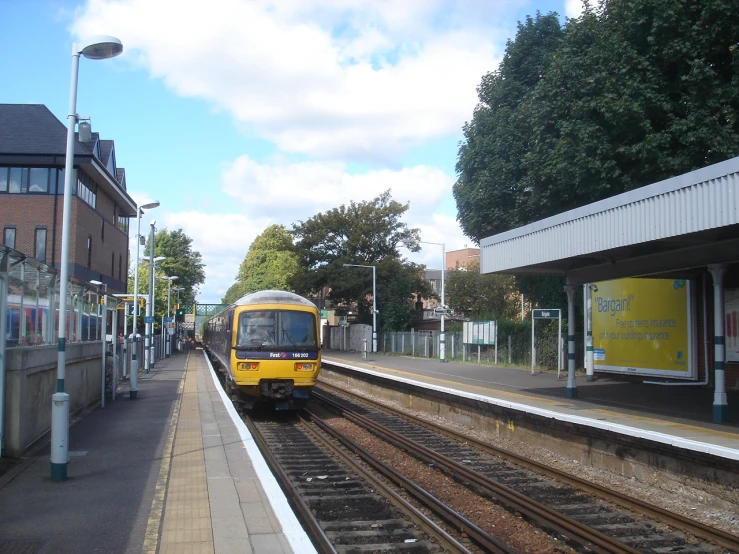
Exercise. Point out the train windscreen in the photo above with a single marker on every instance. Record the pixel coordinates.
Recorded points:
(279, 329)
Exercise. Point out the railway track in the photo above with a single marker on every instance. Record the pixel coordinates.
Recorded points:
(344, 507)
(598, 519)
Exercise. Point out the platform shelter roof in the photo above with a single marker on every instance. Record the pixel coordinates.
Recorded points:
(672, 227)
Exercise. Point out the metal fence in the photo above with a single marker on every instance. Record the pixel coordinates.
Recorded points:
(513, 349)
(29, 304)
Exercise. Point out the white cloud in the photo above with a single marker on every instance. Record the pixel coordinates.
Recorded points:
(223, 241)
(573, 8)
(286, 193)
(300, 190)
(362, 79)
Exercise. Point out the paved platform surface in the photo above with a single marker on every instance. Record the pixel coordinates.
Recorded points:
(173, 471)
(679, 415)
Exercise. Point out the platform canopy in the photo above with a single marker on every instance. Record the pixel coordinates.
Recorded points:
(670, 228)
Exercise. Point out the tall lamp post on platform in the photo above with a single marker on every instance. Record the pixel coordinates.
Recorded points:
(96, 48)
(374, 305)
(167, 340)
(442, 338)
(149, 339)
(134, 361)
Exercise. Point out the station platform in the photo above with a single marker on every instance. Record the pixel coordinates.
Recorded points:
(173, 471)
(679, 415)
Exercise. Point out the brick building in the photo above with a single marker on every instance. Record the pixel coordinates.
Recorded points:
(32, 159)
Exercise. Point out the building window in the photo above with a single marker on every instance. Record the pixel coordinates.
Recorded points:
(3, 179)
(123, 223)
(9, 237)
(40, 252)
(112, 263)
(89, 252)
(85, 190)
(38, 180)
(102, 229)
(18, 180)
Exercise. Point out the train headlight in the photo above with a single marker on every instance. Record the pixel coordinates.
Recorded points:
(247, 366)
(303, 366)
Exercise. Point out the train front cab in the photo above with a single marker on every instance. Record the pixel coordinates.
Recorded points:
(275, 354)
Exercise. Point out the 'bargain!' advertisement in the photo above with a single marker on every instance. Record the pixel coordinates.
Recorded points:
(642, 326)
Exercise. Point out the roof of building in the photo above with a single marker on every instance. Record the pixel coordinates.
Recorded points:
(32, 129)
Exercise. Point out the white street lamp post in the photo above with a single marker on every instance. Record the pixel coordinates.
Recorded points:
(167, 340)
(149, 337)
(442, 337)
(96, 48)
(149, 350)
(374, 305)
(134, 361)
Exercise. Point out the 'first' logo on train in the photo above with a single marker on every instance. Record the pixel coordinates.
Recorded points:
(282, 355)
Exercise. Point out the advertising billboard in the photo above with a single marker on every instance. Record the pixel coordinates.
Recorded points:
(643, 327)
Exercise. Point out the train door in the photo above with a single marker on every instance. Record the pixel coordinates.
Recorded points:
(229, 333)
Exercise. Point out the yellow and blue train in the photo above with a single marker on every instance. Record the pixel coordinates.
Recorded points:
(267, 345)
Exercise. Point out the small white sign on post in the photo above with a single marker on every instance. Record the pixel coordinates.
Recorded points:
(547, 314)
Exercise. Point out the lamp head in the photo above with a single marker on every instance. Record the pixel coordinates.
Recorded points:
(96, 283)
(150, 205)
(100, 47)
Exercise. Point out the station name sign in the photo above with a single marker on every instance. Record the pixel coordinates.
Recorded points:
(546, 314)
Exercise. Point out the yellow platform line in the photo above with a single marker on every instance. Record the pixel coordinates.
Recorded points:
(151, 536)
(187, 526)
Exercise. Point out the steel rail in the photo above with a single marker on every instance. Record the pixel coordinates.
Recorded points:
(566, 526)
(321, 541)
(481, 537)
(687, 525)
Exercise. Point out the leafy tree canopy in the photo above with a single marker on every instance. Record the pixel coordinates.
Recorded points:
(270, 263)
(363, 233)
(181, 261)
(630, 93)
(366, 234)
(481, 296)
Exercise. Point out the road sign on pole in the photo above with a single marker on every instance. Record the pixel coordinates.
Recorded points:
(443, 311)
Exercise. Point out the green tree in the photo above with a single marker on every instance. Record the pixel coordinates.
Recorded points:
(181, 261)
(365, 233)
(630, 93)
(399, 283)
(480, 296)
(270, 263)
(491, 191)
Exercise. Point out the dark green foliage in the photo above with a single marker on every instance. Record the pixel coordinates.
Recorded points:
(395, 302)
(366, 234)
(480, 297)
(630, 93)
(181, 261)
(271, 263)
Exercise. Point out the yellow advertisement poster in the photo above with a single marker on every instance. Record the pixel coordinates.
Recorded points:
(642, 326)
